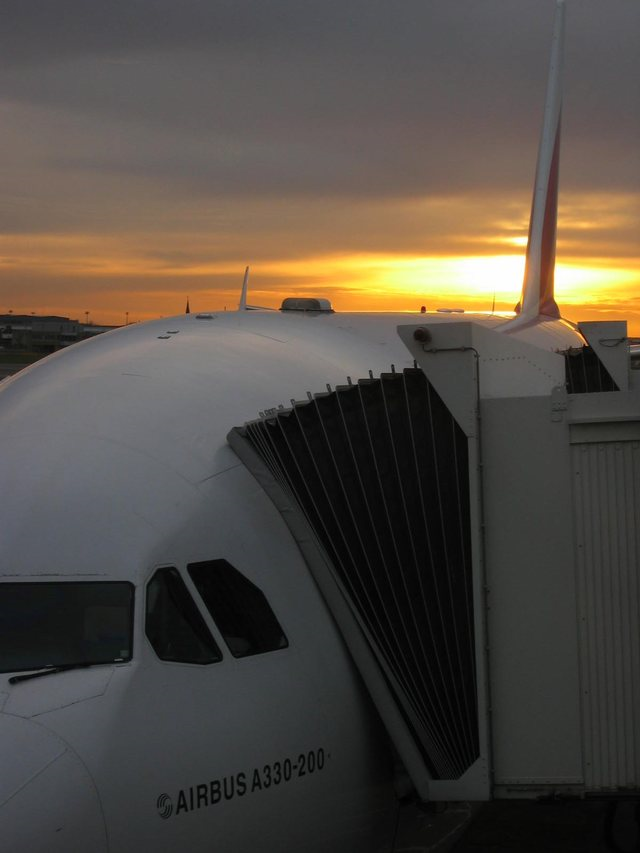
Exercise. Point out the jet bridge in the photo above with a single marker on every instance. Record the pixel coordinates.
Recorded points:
(373, 477)
(473, 525)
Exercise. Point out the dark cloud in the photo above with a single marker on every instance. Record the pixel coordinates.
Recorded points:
(37, 31)
(347, 98)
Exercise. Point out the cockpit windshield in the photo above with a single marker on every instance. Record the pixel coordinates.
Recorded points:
(61, 623)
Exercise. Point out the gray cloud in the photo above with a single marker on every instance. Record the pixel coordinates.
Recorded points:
(352, 98)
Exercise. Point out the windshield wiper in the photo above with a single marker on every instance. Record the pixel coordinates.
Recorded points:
(50, 670)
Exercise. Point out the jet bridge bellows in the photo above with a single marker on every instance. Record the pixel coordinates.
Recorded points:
(586, 373)
(380, 470)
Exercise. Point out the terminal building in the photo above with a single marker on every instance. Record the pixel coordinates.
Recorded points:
(24, 338)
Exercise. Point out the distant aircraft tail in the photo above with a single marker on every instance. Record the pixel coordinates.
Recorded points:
(242, 305)
(537, 300)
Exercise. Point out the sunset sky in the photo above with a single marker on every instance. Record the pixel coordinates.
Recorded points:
(378, 153)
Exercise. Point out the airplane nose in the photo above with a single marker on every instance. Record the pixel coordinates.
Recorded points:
(48, 801)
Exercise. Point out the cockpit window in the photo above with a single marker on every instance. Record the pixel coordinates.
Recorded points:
(239, 609)
(174, 625)
(60, 623)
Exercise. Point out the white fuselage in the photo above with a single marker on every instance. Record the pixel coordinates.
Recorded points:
(114, 462)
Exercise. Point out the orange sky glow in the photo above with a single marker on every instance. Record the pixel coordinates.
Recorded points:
(379, 155)
(139, 276)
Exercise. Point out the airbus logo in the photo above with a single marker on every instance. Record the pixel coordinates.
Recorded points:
(165, 806)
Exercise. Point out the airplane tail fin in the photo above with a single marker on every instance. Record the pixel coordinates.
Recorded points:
(242, 305)
(537, 299)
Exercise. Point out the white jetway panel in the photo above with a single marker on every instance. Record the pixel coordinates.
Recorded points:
(533, 647)
(607, 509)
(605, 468)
